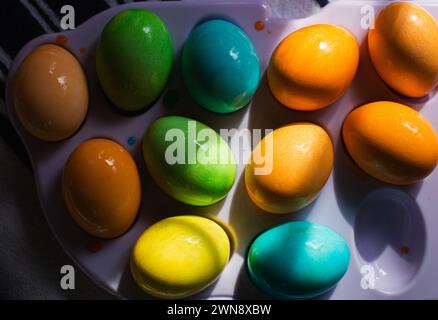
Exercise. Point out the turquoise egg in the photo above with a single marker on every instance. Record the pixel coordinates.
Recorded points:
(220, 65)
(298, 260)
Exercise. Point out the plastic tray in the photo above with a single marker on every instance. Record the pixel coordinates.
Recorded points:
(390, 230)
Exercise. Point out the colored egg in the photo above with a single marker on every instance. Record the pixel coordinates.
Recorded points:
(289, 167)
(134, 58)
(189, 160)
(101, 187)
(312, 67)
(391, 142)
(179, 256)
(50, 93)
(403, 46)
(298, 260)
(220, 66)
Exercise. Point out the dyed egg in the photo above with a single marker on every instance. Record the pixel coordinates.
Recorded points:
(289, 167)
(313, 67)
(403, 46)
(51, 93)
(134, 58)
(221, 68)
(298, 260)
(179, 256)
(391, 142)
(189, 160)
(101, 187)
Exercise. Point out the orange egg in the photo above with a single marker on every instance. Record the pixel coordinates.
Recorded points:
(51, 93)
(313, 66)
(289, 167)
(101, 187)
(391, 142)
(403, 47)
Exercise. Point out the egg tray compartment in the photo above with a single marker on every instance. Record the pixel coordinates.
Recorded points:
(387, 228)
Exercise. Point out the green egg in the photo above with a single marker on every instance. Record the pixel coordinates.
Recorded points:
(188, 160)
(134, 58)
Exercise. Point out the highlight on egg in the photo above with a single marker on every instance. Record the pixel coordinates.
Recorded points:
(50, 93)
(289, 167)
(189, 160)
(179, 256)
(312, 67)
(391, 142)
(220, 65)
(298, 260)
(402, 46)
(134, 58)
(101, 188)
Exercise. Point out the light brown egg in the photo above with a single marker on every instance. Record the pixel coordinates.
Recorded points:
(51, 94)
(403, 47)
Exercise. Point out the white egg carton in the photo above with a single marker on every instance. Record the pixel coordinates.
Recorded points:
(390, 230)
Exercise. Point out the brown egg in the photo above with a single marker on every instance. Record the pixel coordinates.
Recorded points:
(51, 94)
(101, 187)
(403, 47)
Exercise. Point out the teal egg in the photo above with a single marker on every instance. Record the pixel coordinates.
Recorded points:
(189, 160)
(134, 58)
(298, 260)
(220, 66)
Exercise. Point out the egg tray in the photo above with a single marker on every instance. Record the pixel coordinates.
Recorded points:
(390, 230)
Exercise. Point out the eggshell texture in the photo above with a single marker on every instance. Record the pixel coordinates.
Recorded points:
(312, 67)
(301, 158)
(298, 260)
(134, 58)
(101, 187)
(403, 47)
(391, 142)
(189, 160)
(221, 68)
(179, 256)
(51, 94)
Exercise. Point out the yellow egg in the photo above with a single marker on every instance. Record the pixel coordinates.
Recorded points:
(289, 167)
(51, 94)
(101, 187)
(179, 256)
(391, 142)
(403, 47)
(312, 67)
